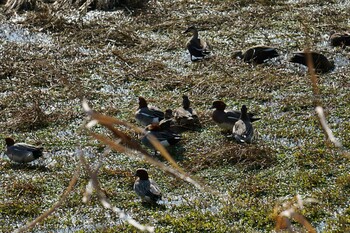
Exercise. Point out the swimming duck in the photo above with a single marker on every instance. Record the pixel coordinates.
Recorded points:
(227, 119)
(198, 48)
(146, 115)
(185, 116)
(257, 54)
(321, 63)
(243, 130)
(146, 188)
(22, 152)
(340, 39)
(164, 135)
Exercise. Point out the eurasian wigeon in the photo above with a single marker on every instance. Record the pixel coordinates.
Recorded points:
(227, 119)
(320, 62)
(243, 130)
(257, 54)
(165, 136)
(185, 116)
(22, 152)
(198, 48)
(146, 188)
(146, 115)
(168, 123)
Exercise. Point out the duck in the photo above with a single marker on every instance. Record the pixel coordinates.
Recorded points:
(257, 54)
(198, 48)
(164, 135)
(146, 188)
(168, 123)
(321, 63)
(243, 130)
(185, 116)
(340, 39)
(22, 152)
(227, 119)
(146, 115)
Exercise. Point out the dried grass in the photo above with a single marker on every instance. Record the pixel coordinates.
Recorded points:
(290, 210)
(83, 5)
(30, 118)
(246, 156)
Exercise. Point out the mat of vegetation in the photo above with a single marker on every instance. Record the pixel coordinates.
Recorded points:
(53, 58)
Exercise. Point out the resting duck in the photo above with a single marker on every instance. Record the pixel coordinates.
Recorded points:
(22, 152)
(146, 115)
(321, 63)
(185, 116)
(165, 136)
(227, 119)
(198, 48)
(340, 39)
(146, 188)
(257, 54)
(243, 130)
(168, 123)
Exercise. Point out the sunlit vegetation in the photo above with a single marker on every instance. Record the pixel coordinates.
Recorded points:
(55, 54)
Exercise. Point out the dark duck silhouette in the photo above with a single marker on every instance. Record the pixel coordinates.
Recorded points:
(243, 130)
(146, 115)
(146, 188)
(198, 48)
(22, 152)
(227, 119)
(257, 54)
(320, 62)
(341, 39)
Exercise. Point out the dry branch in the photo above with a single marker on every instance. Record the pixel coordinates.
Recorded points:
(94, 184)
(63, 197)
(109, 123)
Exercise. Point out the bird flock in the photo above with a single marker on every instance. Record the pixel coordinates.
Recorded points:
(167, 126)
(199, 49)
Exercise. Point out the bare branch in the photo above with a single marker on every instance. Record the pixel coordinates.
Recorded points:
(63, 197)
(95, 184)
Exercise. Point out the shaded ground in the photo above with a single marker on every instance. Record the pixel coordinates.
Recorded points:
(49, 63)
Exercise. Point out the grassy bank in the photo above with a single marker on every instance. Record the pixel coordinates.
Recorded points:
(51, 61)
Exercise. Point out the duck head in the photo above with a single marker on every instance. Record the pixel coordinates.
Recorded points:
(191, 29)
(9, 141)
(142, 174)
(168, 114)
(142, 102)
(219, 105)
(244, 109)
(238, 53)
(185, 102)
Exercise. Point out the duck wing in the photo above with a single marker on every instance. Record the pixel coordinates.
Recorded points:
(233, 115)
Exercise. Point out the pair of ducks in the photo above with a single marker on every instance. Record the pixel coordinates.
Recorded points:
(166, 127)
(198, 48)
(146, 188)
(237, 122)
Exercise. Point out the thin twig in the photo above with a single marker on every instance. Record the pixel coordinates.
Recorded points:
(104, 200)
(63, 197)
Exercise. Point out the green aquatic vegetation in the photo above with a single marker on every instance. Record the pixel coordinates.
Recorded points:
(110, 58)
